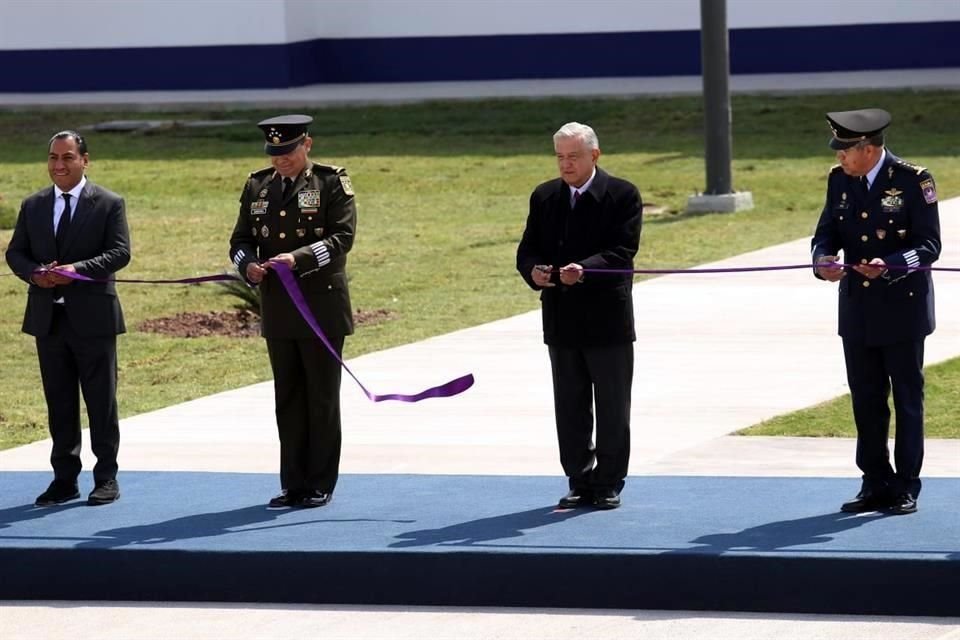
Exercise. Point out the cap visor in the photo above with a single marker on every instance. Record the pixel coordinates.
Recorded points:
(839, 145)
(280, 149)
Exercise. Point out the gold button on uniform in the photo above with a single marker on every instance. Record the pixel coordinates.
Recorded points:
(841, 217)
(283, 214)
(866, 283)
(864, 238)
(910, 294)
(864, 215)
(863, 261)
(282, 235)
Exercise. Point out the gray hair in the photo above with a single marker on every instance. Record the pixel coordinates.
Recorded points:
(583, 132)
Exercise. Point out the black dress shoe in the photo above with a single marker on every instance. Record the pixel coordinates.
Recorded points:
(57, 493)
(865, 501)
(576, 498)
(903, 504)
(606, 499)
(285, 500)
(315, 498)
(104, 493)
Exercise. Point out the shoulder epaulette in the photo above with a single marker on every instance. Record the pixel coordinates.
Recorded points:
(908, 166)
(261, 172)
(327, 168)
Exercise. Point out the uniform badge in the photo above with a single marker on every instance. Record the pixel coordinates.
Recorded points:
(310, 211)
(309, 199)
(264, 231)
(902, 233)
(890, 173)
(929, 191)
(318, 231)
(263, 193)
(892, 200)
(258, 208)
(347, 186)
(301, 233)
(843, 204)
(881, 233)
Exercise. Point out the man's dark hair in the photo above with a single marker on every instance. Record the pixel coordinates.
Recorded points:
(69, 133)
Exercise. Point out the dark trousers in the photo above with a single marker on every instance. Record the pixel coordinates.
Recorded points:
(871, 373)
(584, 378)
(69, 364)
(306, 382)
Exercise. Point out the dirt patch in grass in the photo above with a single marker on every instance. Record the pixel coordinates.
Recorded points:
(239, 323)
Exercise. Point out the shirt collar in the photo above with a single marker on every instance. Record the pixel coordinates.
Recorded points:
(75, 192)
(585, 186)
(872, 174)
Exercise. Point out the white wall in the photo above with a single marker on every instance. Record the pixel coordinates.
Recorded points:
(78, 24)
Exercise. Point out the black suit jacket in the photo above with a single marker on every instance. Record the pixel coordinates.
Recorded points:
(97, 244)
(316, 223)
(602, 232)
(898, 221)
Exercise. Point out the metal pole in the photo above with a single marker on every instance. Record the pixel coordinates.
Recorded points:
(714, 50)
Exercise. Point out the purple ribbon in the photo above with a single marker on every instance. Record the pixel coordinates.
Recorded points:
(767, 268)
(445, 390)
(286, 276)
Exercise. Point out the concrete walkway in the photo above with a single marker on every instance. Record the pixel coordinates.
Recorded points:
(396, 93)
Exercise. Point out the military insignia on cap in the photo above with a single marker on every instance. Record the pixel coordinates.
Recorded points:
(347, 186)
(881, 233)
(929, 191)
(264, 231)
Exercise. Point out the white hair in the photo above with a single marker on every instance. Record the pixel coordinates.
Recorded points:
(583, 132)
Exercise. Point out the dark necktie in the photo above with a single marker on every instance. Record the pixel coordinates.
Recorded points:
(864, 186)
(576, 197)
(287, 187)
(63, 226)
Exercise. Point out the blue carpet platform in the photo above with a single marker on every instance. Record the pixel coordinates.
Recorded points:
(748, 544)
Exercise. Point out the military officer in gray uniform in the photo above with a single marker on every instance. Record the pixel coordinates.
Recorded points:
(301, 214)
(882, 212)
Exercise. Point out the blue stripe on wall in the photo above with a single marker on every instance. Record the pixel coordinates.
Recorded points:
(659, 53)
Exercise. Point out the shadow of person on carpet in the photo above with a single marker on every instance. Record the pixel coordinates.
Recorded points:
(206, 525)
(508, 525)
(22, 513)
(773, 536)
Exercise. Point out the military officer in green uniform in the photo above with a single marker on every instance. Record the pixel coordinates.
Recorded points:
(301, 214)
(882, 213)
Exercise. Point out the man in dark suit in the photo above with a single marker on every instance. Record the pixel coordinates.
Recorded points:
(76, 226)
(586, 219)
(882, 213)
(302, 214)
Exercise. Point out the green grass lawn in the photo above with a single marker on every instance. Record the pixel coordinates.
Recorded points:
(442, 192)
